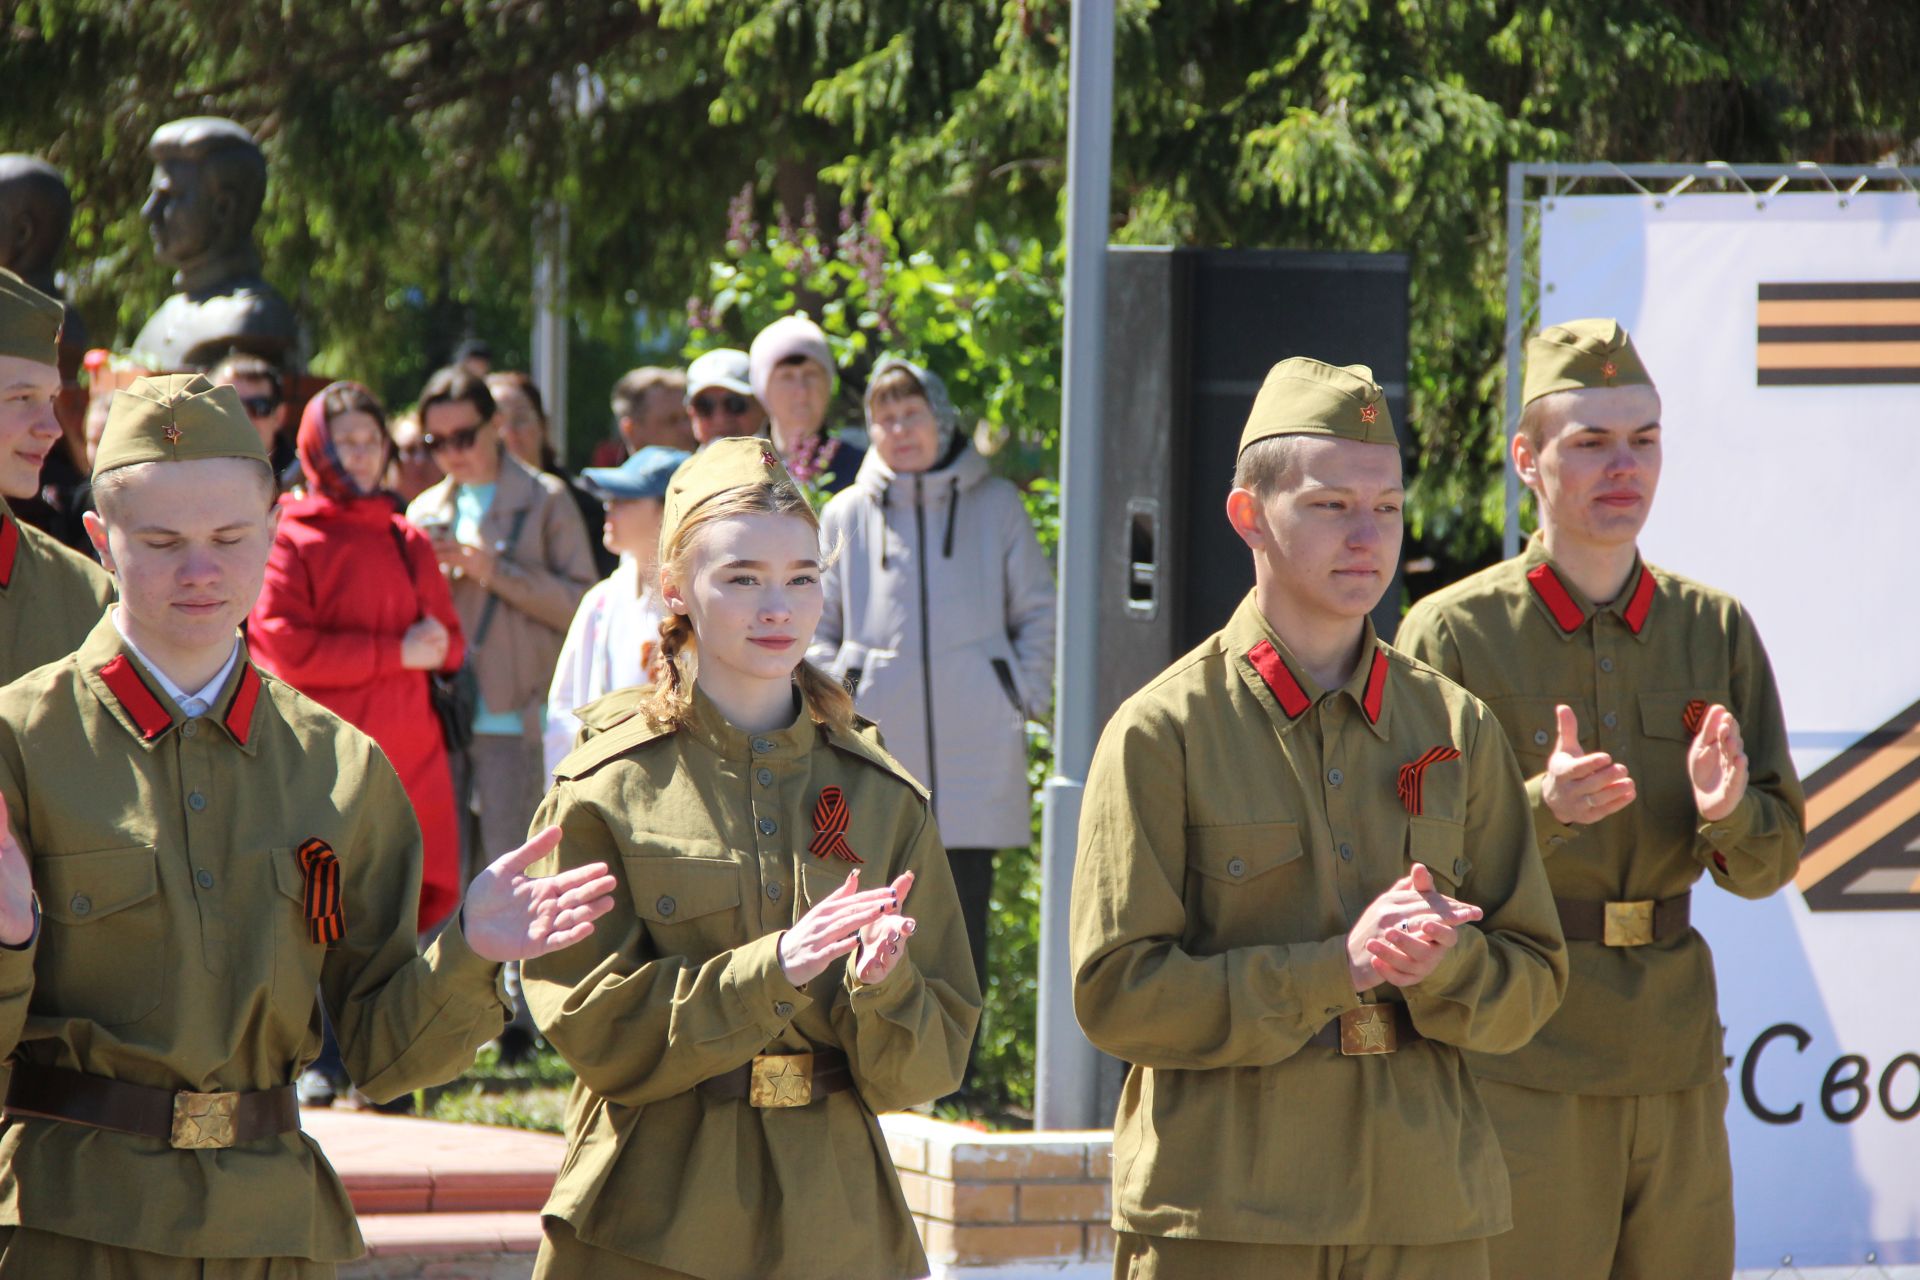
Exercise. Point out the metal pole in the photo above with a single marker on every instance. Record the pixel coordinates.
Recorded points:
(1064, 1092)
(1516, 345)
(548, 354)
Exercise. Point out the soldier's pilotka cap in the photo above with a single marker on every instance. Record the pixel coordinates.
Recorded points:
(1581, 354)
(732, 462)
(29, 321)
(1307, 397)
(177, 417)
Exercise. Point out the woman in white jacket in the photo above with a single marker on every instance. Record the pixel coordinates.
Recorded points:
(940, 617)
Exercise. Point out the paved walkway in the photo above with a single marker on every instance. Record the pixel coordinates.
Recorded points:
(425, 1188)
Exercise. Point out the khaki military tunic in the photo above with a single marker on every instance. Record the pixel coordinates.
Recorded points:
(708, 830)
(1238, 820)
(174, 950)
(1637, 1020)
(50, 597)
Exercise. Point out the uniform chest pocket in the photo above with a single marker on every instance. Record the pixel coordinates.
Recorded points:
(1244, 888)
(297, 958)
(1669, 722)
(690, 905)
(1532, 726)
(1441, 846)
(102, 954)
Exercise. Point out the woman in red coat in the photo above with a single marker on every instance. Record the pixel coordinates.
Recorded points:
(355, 613)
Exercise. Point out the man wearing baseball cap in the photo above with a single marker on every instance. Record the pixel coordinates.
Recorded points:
(720, 396)
(1646, 719)
(1306, 886)
(50, 597)
(189, 849)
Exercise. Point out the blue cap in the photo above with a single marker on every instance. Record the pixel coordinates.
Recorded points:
(644, 475)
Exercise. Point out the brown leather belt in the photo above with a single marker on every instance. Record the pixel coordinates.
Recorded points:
(783, 1079)
(1626, 924)
(189, 1121)
(1370, 1029)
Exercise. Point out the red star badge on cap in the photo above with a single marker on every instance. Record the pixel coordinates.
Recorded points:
(1369, 413)
(172, 433)
(1609, 369)
(767, 459)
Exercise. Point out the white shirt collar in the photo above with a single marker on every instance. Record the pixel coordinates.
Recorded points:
(197, 703)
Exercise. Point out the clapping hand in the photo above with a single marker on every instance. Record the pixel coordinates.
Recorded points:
(883, 942)
(1405, 932)
(1717, 764)
(833, 926)
(16, 887)
(509, 915)
(1582, 788)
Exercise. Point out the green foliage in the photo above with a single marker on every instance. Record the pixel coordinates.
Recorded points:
(986, 318)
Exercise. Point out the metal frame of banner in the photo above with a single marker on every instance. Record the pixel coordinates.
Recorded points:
(1532, 188)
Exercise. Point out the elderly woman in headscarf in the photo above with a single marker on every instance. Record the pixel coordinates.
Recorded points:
(355, 614)
(940, 618)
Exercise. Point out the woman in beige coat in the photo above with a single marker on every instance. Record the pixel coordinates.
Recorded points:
(792, 959)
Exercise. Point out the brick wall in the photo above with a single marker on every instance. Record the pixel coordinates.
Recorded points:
(995, 1200)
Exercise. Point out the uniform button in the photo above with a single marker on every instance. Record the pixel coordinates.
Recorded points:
(764, 777)
(1556, 839)
(773, 892)
(1610, 720)
(1459, 868)
(81, 904)
(1539, 737)
(666, 906)
(783, 1009)
(761, 746)
(1236, 868)
(768, 826)
(204, 878)
(1606, 664)
(190, 728)
(196, 802)
(1336, 777)
(1346, 852)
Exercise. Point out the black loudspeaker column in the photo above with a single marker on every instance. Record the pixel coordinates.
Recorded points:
(1190, 335)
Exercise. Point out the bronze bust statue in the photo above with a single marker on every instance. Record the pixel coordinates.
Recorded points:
(209, 179)
(36, 211)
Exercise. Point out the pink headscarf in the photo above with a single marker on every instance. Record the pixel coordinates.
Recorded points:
(318, 458)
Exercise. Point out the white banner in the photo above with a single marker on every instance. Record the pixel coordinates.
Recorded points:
(1785, 339)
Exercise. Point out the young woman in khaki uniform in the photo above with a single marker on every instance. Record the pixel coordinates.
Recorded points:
(788, 957)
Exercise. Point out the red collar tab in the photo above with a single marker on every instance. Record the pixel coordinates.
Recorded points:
(239, 713)
(1640, 603)
(1273, 669)
(140, 702)
(9, 546)
(1553, 593)
(1376, 687)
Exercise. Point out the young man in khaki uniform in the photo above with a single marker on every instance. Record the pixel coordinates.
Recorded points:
(1646, 719)
(190, 848)
(1286, 840)
(49, 597)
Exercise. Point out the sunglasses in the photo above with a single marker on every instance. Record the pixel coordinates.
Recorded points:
(460, 441)
(260, 406)
(707, 406)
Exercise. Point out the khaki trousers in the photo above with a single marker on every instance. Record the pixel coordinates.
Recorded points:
(563, 1256)
(26, 1254)
(1614, 1188)
(1165, 1258)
